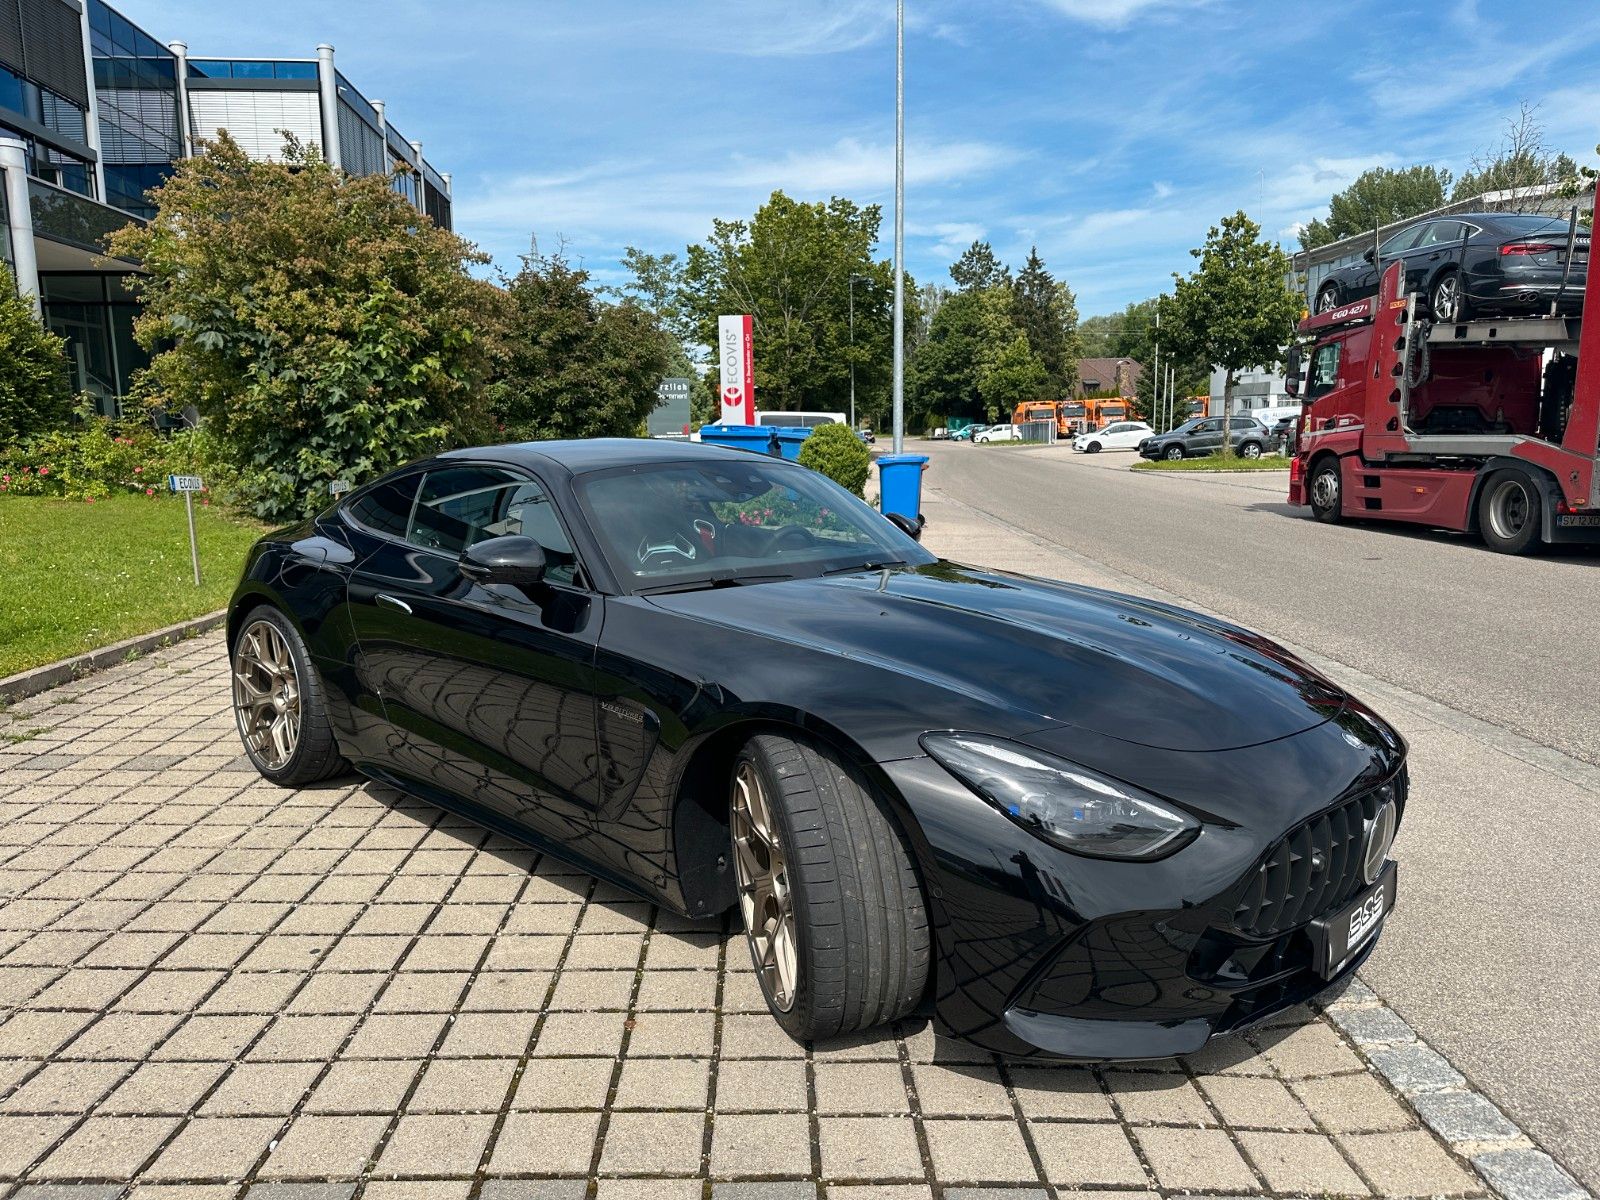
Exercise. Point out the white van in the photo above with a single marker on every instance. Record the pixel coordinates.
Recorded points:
(800, 420)
(1277, 412)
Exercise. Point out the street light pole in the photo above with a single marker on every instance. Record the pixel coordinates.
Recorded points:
(899, 225)
(853, 278)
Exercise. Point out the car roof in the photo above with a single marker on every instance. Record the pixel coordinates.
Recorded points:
(581, 456)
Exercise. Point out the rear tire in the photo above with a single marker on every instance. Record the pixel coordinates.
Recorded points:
(860, 933)
(278, 704)
(1324, 490)
(1446, 301)
(1328, 298)
(1250, 450)
(1508, 513)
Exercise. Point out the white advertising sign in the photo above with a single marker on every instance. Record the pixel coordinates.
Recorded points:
(736, 353)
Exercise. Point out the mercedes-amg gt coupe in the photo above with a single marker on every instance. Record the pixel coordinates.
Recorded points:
(1065, 822)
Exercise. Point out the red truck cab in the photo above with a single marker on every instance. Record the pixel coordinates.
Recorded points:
(1485, 426)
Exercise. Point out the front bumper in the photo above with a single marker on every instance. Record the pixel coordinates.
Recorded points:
(1043, 953)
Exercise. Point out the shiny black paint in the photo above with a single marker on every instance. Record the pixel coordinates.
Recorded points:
(601, 725)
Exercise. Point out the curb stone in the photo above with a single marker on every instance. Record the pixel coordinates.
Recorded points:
(42, 679)
(1471, 1124)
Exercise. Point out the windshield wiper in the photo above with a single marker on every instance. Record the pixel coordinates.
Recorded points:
(872, 564)
(707, 582)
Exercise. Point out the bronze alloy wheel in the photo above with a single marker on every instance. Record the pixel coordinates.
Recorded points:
(764, 895)
(266, 694)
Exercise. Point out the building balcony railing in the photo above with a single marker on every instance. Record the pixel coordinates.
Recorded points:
(64, 216)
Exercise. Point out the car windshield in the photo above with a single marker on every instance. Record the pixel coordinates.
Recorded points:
(682, 525)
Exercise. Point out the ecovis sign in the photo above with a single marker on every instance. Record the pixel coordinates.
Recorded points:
(736, 351)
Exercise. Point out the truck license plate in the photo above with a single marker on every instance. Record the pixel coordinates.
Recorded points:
(1578, 520)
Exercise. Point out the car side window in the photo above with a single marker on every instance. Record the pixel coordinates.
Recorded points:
(1324, 370)
(1212, 426)
(1401, 241)
(1243, 422)
(461, 506)
(1441, 233)
(386, 509)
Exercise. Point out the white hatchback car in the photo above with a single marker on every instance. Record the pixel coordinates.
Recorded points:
(998, 433)
(1119, 435)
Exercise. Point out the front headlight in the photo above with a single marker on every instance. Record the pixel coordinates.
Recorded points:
(1071, 806)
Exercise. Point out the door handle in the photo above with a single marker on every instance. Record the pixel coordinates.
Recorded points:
(392, 602)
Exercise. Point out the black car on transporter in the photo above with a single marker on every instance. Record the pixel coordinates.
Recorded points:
(1474, 264)
(1071, 822)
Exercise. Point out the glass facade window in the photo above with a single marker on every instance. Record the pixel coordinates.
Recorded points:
(250, 68)
(94, 313)
(136, 87)
(53, 166)
(55, 113)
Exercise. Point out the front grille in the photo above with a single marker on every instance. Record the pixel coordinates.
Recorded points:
(1315, 867)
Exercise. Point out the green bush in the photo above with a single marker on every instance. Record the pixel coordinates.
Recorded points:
(840, 454)
(34, 393)
(97, 458)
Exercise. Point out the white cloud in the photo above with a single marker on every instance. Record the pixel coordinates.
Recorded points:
(1115, 14)
(850, 165)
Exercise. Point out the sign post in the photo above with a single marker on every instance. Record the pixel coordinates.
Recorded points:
(671, 413)
(736, 354)
(189, 485)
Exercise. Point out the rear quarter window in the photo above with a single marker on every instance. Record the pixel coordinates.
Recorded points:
(386, 508)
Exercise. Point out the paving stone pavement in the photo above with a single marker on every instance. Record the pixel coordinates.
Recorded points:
(212, 987)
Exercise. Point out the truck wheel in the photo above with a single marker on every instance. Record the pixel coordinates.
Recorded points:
(828, 890)
(1323, 489)
(1172, 453)
(1508, 513)
(1092, 448)
(1446, 301)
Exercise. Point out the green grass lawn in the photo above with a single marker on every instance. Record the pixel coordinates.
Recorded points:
(77, 576)
(1267, 462)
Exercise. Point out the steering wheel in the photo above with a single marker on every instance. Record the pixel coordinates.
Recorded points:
(799, 535)
(661, 551)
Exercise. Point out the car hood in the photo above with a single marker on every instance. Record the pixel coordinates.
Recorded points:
(1044, 654)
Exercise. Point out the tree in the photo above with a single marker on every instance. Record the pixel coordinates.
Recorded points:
(1519, 166)
(1047, 313)
(571, 365)
(320, 325)
(789, 267)
(1378, 197)
(978, 269)
(1097, 335)
(1235, 310)
(657, 287)
(34, 393)
(1012, 376)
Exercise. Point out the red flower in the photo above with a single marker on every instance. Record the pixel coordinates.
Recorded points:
(149, 491)
(138, 470)
(44, 470)
(88, 499)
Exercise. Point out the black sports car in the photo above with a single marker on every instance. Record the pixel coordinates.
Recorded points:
(1072, 822)
(1474, 264)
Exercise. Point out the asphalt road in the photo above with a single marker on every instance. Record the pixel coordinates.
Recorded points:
(1486, 663)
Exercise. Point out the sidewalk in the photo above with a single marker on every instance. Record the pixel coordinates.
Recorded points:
(210, 987)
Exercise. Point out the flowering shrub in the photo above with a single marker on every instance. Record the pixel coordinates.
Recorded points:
(97, 458)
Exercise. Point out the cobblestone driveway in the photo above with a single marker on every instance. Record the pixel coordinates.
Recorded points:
(210, 987)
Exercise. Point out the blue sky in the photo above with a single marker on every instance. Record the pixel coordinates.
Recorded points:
(1112, 133)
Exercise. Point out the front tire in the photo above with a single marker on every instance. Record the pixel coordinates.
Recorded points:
(833, 910)
(1508, 513)
(1172, 453)
(1092, 448)
(278, 704)
(1324, 490)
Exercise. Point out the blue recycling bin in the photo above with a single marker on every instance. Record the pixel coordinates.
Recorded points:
(900, 484)
(780, 441)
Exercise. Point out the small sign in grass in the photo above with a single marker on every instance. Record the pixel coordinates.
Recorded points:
(76, 576)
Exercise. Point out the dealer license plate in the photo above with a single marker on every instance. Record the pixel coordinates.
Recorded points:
(1336, 938)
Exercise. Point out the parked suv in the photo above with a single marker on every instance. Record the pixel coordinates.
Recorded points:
(1203, 435)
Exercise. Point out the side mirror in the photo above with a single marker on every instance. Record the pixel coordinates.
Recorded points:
(1291, 372)
(513, 559)
(1370, 255)
(912, 529)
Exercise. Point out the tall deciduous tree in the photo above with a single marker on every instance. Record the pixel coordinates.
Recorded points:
(789, 267)
(571, 365)
(34, 395)
(1235, 310)
(657, 286)
(1519, 165)
(976, 361)
(320, 325)
(978, 269)
(1047, 313)
(1378, 197)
